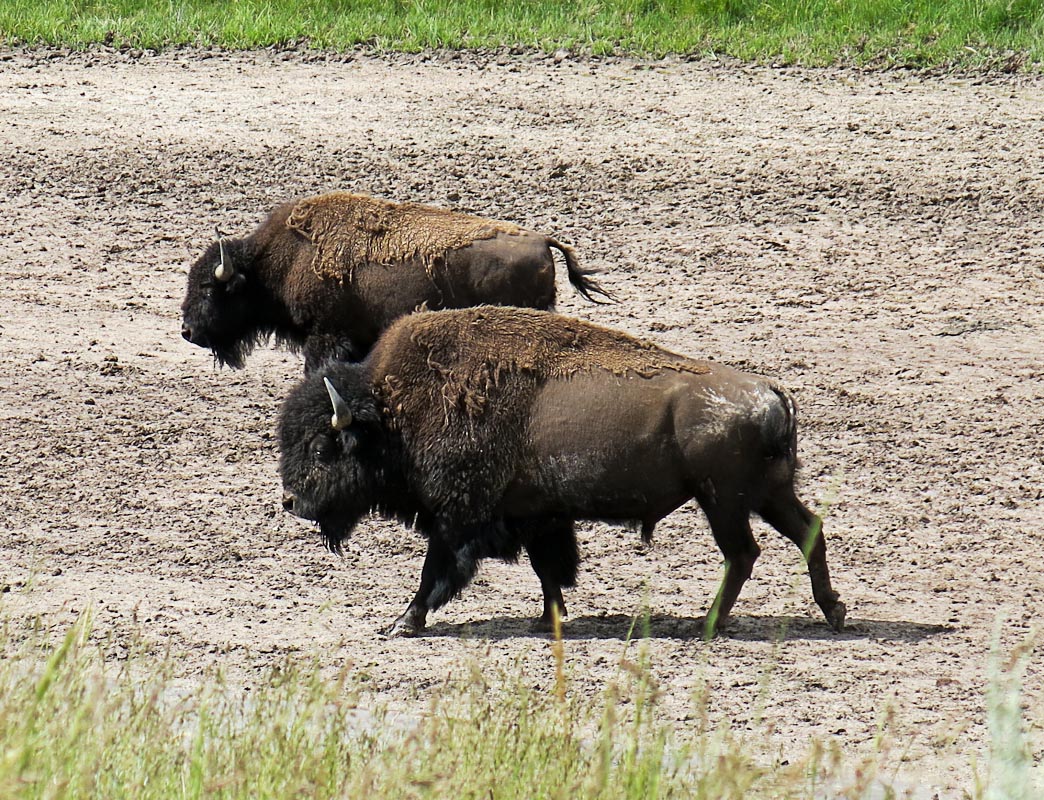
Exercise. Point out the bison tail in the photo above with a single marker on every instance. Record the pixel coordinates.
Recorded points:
(780, 429)
(579, 277)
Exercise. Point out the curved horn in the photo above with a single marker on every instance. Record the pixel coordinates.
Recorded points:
(342, 415)
(223, 272)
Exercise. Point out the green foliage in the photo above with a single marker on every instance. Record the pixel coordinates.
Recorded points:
(80, 718)
(969, 33)
(75, 723)
(1011, 772)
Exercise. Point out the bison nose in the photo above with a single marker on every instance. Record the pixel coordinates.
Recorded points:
(288, 502)
(195, 336)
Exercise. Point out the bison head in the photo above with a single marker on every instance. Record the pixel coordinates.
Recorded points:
(222, 309)
(334, 451)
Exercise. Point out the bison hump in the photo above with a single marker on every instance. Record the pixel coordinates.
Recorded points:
(460, 362)
(459, 386)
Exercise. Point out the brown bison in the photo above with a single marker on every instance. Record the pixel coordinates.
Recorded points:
(493, 429)
(327, 274)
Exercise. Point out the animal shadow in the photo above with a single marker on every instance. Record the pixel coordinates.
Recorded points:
(669, 626)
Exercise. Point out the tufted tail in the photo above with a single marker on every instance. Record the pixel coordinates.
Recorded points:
(579, 277)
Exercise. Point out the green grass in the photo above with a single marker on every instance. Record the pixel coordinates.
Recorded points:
(79, 718)
(1011, 772)
(1004, 34)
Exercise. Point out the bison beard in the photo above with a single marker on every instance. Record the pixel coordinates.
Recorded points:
(493, 429)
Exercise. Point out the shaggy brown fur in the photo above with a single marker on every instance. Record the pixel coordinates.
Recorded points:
(493, 429)
(351, 230)
(535, 346)
(470, 377)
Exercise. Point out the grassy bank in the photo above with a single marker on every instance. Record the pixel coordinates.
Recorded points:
(78, 720)
(969, 33)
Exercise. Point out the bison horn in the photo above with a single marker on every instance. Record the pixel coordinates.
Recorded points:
(342, 415)
(223, 272)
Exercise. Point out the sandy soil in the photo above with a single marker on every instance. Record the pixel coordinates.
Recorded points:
(875, 241)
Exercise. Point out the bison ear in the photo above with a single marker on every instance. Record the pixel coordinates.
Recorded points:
(342, 415)
(224, 270)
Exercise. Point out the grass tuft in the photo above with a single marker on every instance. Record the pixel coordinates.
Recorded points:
(1010, 763)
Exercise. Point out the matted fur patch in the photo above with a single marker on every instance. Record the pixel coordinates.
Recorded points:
(459, 386)
(349, 231)
(466, 358)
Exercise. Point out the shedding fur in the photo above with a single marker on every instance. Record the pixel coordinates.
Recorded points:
(349, 231)
(459, 387)
(473, 355)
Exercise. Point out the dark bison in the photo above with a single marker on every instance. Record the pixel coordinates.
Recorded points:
(327, 274)
(493, 429)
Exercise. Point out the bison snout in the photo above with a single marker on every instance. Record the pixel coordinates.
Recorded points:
(193, 336)
(289, 501)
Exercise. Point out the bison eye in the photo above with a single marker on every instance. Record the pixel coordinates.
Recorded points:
(322, 448)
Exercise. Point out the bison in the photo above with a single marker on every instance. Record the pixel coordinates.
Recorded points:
(492, 430)
(327, 274)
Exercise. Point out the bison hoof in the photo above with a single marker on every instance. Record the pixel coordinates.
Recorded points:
(719, 628)
(406, 625)
(836, 617)
(545, 623)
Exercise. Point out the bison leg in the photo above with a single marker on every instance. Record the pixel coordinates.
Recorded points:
(789, 516)
(553, 553)
(731, 529)
(444, 575)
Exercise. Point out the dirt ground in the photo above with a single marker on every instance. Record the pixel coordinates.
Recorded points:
(874, 241)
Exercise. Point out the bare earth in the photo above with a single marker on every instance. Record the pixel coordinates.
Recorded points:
(874, 241)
